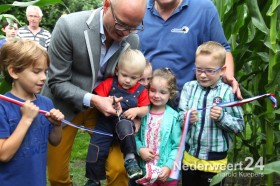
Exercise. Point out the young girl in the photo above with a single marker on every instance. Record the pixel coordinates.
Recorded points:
(158, 138)
(24, 134)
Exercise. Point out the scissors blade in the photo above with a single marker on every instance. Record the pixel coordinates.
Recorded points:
(116, 107)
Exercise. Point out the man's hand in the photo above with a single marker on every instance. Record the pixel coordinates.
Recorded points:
(228, 76)
(230, 80)
(106, 104)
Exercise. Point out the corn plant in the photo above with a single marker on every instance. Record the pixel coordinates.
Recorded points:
(252, 28)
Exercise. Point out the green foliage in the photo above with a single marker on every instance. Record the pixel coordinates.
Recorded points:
(252, 28)
(52, 9)
(4, 85)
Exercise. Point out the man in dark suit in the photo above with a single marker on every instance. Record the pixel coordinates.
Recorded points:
(84, 49)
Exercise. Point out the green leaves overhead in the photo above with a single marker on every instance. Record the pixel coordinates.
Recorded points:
(6, 7)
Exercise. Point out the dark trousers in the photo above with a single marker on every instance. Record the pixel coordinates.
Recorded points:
(99, 146)
(198, 178)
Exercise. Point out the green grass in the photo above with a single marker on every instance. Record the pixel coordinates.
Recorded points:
(78, 156)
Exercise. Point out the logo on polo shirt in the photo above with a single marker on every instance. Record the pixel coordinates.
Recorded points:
(183, 30)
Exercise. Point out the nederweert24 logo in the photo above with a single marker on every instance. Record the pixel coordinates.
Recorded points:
(183, 30)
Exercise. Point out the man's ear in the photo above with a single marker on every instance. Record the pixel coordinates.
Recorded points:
(11, 71)
(106, 4)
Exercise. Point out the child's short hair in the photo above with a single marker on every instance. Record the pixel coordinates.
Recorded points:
(21, 54)
(133, 57)
(148, 64)
(167, 74)
(213, 48)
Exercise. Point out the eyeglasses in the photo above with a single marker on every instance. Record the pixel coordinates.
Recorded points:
(122, 27)
(207, 71)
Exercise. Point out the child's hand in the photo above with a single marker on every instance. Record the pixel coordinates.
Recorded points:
(137, 123)
(193, 117)
(215, 112)
(55, 117)
(146, 154)
(165, 171)
(29, 111)
(131, 113)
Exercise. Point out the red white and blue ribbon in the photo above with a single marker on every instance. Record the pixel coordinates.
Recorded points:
(5, 98)
(176, 169)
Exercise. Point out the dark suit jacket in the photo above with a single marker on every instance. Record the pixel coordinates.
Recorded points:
(75, 59)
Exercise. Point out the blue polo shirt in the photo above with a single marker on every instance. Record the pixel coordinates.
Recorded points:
(172, 43)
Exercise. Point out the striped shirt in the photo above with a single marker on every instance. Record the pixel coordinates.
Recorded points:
(206, 135)
(43, 37)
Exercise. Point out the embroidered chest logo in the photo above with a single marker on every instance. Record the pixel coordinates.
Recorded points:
(183, 30)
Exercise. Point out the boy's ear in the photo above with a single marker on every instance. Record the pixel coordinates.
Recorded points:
(223, 70)
(116, 71)
(3, 30)
(11, 71)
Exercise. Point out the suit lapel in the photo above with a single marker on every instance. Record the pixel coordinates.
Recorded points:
(93, 42)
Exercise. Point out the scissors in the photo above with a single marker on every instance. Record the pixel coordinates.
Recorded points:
(116, 107)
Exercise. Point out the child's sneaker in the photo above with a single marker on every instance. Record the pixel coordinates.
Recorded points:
(132, 169)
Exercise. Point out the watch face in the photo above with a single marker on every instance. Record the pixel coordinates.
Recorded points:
(217, 100)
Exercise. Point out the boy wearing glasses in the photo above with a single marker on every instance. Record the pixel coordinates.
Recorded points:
(211, 129)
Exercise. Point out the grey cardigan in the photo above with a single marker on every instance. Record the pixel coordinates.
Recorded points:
(75, 58)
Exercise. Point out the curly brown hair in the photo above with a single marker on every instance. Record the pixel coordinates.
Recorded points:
(167, 74)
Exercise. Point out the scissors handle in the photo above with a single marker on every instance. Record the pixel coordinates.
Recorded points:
(116, 107)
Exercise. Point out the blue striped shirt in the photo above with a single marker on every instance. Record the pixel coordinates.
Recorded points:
(206, 135)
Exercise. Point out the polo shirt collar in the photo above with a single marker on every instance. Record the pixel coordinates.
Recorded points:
(151, 3)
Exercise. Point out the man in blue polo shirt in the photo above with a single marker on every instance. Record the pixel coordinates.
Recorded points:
(173, 31)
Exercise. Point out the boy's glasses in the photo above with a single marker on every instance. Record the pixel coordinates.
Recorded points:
(122, 27)
(207, 71)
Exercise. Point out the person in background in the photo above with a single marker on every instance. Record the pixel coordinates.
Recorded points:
(25, 133)
(147, 75)
(135, 103)
(210, 133)
(33, 31)
(173, 31)
(10, 29)
(84, 50)
(158, 139)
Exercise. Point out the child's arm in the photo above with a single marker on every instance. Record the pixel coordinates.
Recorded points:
(184, 104)
(228, 118)
(137, 111)
(55, 117)
(193, 117)
(9, 146)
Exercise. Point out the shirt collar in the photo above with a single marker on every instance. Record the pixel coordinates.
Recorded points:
(102, 33)
(151, 3)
